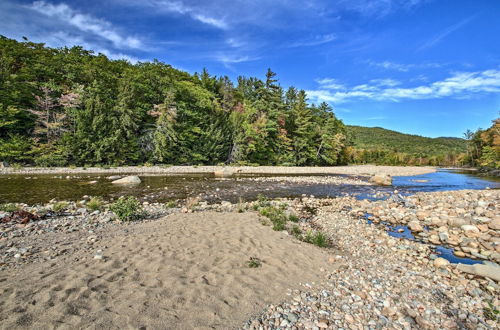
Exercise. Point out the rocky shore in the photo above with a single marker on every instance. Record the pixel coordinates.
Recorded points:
(384, 282)
(362, 170)
(378, 280)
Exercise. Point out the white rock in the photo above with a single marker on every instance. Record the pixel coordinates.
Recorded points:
(132, 179)
(441, 262)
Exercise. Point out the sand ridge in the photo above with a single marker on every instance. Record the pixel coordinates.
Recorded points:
(184, 271)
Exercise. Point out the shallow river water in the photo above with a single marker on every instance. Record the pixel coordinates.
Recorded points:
(41, 188)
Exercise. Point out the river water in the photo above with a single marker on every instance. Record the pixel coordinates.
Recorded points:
(41, 188)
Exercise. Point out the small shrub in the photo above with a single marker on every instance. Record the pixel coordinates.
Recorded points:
(296, 231)
(147, 164)
(490, 312)
(16, 166)
(95, 204)
(276, 215)
(318, 239)
(293, 218)
(171, 204)
(9, 207)
(59, 206)
(254, 262)
(72, 166)
(127, 209)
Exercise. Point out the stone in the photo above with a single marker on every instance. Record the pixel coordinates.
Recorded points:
(4, 164)
(458, 222)
(444, 237)
(483, 270)
(471, 228)
(441, 262)
(225, 173)
(114, 177)
(381, 179)
(494, 224)
(415, 226)
(422, 215)
(132, 179)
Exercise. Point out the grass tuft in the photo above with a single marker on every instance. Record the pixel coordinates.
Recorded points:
(59, 206)
(254, 262)
(8, 207)
(95, 204)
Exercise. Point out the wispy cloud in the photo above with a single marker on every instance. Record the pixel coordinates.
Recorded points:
(316, 41)
(459, 85)
(232, 59)
(86, 23)
(446, 32)
(329, 83)
(402, 67)
(195, 13)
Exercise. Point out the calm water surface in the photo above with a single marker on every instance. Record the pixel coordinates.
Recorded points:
(43, 187)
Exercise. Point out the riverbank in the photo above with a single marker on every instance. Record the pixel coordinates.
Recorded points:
(186, 265)
(357, 170)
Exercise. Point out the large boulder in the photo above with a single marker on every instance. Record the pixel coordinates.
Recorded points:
(381, 179)
(132, 179)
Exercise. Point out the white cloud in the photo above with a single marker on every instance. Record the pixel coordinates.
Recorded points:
(443, 34)
(316, 41)
(329, 83)
(86, 23)
(219, 23)
(460, 85)
(195, 13)
(388, 65)
(231, 59)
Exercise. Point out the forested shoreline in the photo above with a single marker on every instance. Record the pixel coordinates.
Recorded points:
(69, 106)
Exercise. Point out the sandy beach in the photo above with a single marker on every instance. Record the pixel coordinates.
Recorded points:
(184, 271)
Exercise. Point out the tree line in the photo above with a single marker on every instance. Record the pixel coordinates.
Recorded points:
(69, 106)
(483, 146)
(376, 145)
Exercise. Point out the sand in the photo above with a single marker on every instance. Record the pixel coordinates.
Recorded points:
(363, 170)
(184, 271)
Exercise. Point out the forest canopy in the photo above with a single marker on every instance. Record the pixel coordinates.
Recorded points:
(70, 106)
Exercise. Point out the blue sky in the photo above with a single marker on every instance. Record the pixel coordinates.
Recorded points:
(427, 67)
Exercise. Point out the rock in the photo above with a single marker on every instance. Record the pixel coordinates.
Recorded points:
(444, 237)
(441, 262)
(4, 164)
(494, 224)
(489, 270)
(415, 226)
(382, 179)
(471, 228)
(422, 215)
(458, 222)
(132, 179)
(225, 173)
(114, 177)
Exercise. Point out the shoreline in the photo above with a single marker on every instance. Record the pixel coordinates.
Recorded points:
(359, 170)
(377, 276)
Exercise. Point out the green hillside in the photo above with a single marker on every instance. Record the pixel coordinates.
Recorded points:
(379, 145)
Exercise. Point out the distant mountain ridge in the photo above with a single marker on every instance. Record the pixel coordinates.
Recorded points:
(378, 138)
